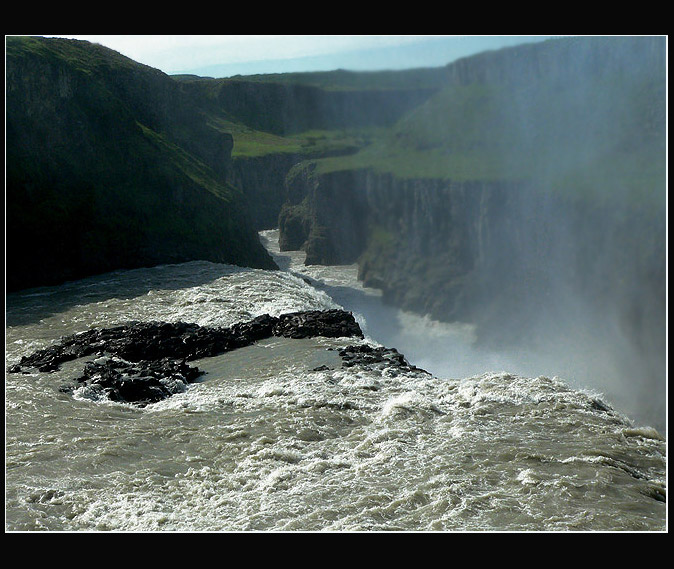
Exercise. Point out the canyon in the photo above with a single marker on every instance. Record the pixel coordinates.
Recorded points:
(513, 189)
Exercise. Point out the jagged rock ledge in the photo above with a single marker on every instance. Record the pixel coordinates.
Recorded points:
(140, 383)
(377, 358)
(145, 362)
(138, 341)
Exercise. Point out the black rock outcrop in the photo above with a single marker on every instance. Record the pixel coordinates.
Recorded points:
(377, 358)
(140, 383)
(145, 362)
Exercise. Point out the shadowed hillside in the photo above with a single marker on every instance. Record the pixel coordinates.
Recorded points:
(110, 166)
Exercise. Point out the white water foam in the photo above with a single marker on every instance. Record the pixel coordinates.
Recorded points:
(271, 440)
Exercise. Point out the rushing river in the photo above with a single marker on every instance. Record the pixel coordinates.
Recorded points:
(265, 441)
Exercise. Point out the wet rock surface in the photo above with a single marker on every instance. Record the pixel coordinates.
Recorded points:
(144, 362)
(141, 383)
(377, 358)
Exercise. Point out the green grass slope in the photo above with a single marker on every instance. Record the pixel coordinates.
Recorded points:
(580, 134)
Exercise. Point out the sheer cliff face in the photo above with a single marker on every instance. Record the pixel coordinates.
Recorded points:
(323, 215)
(431, 246)
(108, 167)
(526, 267)
(262, 179)
(560, 60)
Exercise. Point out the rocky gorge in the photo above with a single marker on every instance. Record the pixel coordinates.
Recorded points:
(526, 198)
(456, 251)
(522, 190)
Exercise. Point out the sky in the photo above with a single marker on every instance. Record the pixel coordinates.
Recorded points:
(228, 55)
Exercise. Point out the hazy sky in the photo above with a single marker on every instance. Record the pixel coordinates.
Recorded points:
(226, 55)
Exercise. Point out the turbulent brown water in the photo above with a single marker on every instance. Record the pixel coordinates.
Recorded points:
(265, 442)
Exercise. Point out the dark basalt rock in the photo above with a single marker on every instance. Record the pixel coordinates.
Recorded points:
(378, 358)
(329, 323)
(149, 357)
(141, 382)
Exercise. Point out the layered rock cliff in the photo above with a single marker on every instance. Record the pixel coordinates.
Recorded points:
(498, 254)
(286, 108)
(561, 60)
(263, 179)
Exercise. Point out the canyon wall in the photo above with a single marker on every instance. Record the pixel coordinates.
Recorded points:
(502, 255)
(110, 166)
(545, 214)
(262, 179)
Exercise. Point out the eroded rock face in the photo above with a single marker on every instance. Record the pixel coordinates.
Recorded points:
(145, 362)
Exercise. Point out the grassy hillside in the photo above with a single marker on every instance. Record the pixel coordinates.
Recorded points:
(344, 80)
(251, 138)
(574, 134)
